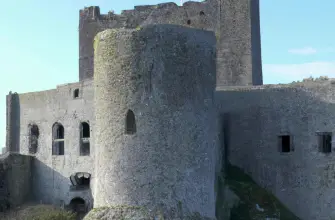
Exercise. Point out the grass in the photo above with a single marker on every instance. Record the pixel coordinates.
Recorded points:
(251, 194)
(38, 212)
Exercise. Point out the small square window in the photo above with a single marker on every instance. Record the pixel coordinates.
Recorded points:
(325, 142)
(284, 142)
(76, 93)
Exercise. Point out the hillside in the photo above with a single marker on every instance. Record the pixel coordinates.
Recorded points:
(254, 202)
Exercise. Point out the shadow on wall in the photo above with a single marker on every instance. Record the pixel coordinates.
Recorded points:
(15, 184)
(14, 123)
(51, 187)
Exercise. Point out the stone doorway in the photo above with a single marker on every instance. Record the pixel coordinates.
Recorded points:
(78, 206)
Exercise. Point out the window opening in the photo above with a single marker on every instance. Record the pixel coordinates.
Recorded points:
(58, 139)
(130, 122)
(33, 138)
(80, 180)
(325, 142)
(84, 139)
(76, 93)
(285, 143)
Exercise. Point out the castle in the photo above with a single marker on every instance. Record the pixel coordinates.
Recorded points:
(167, 95)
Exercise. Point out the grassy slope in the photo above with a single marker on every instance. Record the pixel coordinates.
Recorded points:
(251, 194)
(37, 212)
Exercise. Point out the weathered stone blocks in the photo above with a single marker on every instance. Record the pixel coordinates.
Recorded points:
(165, 74)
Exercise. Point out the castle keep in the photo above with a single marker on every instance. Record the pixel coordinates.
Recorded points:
(167, 96)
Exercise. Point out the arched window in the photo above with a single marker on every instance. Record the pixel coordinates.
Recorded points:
(57, 139)
(85, 139)
(33, 138)
(80, 180)
(130, 122)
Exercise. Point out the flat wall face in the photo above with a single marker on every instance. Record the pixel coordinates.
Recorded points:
(239, 48)
(165, 75)
(51, 173)
(303, 179)
(15, 180)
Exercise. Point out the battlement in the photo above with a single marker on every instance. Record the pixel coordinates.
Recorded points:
(307, 83)
(92, 13)
(200, 15)
(239, 35)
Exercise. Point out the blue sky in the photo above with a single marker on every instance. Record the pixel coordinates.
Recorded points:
(39, 42)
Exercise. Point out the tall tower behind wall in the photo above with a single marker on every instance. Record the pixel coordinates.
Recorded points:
(236, 23)
(88, 28)
(239, 59)
(200, 15)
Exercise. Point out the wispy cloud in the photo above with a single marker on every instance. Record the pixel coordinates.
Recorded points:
(303, 51)
(292, 72)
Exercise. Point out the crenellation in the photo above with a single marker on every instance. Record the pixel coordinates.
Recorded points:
(200, 15)
(90, 13)
(169, 5)
(239, 40)
(144, 8)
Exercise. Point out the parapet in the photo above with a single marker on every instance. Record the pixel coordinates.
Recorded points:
(90, 13)
(199, 15)
(239, 54)
(168, 13)
(322, 81)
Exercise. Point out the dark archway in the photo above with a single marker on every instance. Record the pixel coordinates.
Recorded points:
(78, 205)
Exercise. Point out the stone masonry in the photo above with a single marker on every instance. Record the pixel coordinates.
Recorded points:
(167, 95)
(177, 133)
(15, 180)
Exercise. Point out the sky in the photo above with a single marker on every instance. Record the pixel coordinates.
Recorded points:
(39, 42)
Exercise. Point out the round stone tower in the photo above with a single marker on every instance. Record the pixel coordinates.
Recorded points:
(156, 124)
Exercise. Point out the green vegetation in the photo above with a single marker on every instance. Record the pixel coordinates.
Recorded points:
(38, 212)
(250, 195)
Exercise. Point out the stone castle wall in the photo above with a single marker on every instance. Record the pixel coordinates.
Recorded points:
(257, 116)
(164, 74)
(15, 180)
(51, 183)
(236, 26)
(239, 44)
(201, 15)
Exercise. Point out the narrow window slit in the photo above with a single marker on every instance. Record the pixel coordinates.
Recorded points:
(130, 122)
